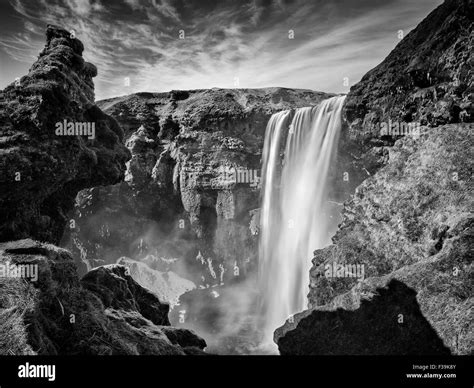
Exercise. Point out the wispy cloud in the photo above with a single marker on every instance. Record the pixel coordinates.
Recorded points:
(177, 44)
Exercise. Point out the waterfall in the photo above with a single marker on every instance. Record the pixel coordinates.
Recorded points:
(294, 213)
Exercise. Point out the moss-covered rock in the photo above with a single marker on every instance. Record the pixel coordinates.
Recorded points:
(42, 171)
(106, 312)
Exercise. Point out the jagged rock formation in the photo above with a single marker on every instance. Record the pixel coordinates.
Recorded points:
(411, 222)
(106, 312)
(177, 201)
(41, 172)
(427, 80)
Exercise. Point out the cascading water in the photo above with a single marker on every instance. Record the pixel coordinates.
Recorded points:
(294, 215)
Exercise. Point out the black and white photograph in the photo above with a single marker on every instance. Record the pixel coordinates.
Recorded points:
(260, 187)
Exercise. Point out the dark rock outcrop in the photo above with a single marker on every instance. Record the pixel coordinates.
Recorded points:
(411, 222)
(389, 323)
(41, 171)
(426, 80)
(106, 312)
(116, 289)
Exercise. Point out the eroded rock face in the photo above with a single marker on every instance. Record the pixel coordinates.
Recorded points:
(192, 185)
(427, 80)
(106, 312)
(41, 172)
(412, 223)
(116, 289)
(390, 322)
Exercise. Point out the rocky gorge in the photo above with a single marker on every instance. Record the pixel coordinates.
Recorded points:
(192, 184)
(155, 220)
(188, 207)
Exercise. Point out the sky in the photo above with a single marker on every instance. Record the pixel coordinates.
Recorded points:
(162, 45)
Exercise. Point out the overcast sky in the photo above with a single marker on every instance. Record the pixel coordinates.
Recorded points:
(311, 44)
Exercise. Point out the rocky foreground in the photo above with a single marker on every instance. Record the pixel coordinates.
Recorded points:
(104, 313)
(409, 226)
(49, 310)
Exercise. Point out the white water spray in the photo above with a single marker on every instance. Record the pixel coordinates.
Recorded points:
(294, 216)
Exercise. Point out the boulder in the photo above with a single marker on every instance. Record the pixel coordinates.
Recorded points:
(105, 313)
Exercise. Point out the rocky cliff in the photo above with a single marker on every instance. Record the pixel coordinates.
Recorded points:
(190, 197)
(427, 80)
(43, 167)
(398, 277)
